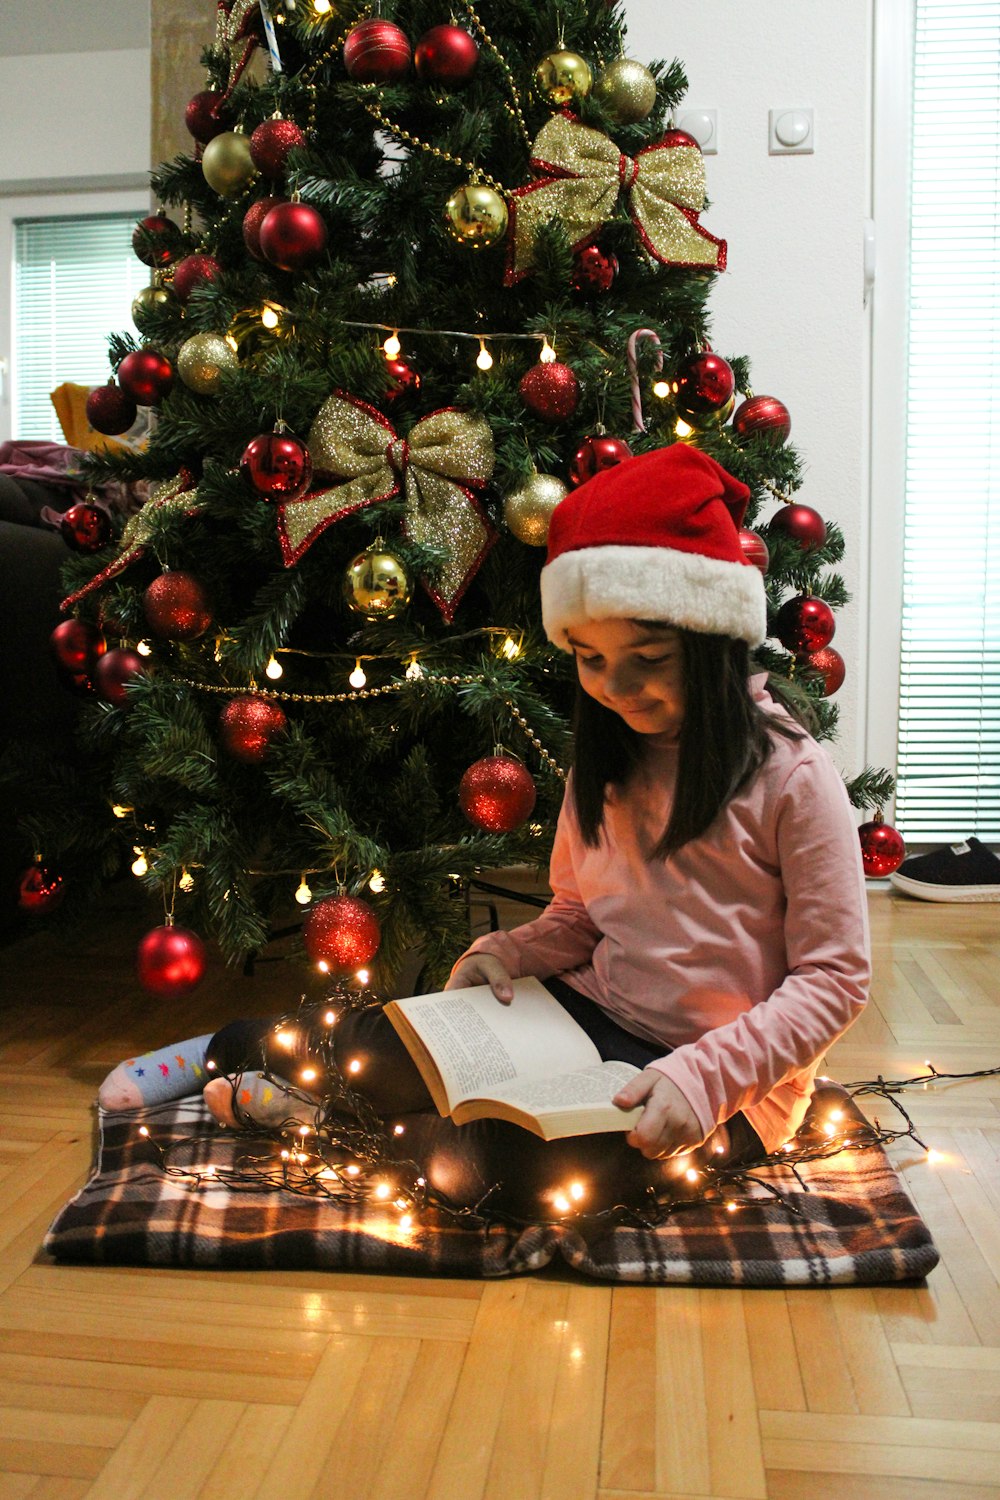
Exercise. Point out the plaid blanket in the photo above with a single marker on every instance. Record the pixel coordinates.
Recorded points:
(845, 1220)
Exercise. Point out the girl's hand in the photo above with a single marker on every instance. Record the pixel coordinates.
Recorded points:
(668, 1125)
(483, 968)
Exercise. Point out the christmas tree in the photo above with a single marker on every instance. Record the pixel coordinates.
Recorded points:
(423, 270)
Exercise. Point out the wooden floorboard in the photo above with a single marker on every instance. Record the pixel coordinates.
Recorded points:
(122, 1383)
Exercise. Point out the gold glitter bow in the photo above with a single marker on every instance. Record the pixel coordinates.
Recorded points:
(583, 174)
(238, 29)
(447, 456)
(166, 497)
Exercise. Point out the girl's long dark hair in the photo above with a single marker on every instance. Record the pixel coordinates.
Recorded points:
(724, 741)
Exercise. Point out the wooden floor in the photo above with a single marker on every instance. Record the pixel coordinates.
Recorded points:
(120, 1384)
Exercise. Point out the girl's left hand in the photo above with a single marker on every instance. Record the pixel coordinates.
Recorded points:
(668, 1125)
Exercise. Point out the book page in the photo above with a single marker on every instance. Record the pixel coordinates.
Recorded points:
(585, 1088)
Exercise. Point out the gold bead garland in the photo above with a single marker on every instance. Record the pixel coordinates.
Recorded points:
(475, 172)
(491, 46)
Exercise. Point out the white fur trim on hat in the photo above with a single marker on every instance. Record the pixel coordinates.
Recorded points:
(686, 589)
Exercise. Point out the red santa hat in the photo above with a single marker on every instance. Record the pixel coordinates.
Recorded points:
(654, 538)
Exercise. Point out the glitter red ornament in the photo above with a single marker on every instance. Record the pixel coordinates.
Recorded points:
(176, 607)
(247, 726)
(277, 466)
(170, 961)
(446, 54)
(292, 236)
(157, 240)
(882, 847)
(594, 271)
(146, 376)
(403, 380)
(114, 671)
(497, 794)
(253, 219)
(596, 454)
(804, 624)
(754, 549)
(551, 391)
(77, 646)
(341, 934)
(110, 410)
(86, 528)
(271, 143)
(206, 117)
(829, 665)
(763, 416)
(39, 889)
(705, 384)
(376, 51)
(800, 523)
(194, 271)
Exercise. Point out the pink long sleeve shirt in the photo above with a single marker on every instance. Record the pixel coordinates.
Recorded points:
(746, 952)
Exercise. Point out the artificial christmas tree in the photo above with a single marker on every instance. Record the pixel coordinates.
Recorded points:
(398, 287)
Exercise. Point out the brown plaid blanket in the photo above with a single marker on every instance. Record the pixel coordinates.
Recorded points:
(844, 1220)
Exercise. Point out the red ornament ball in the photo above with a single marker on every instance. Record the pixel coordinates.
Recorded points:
(76, 645)
(176, 607)
(551, 391)
(292, 236)
(763, 416)
(497, 794)
(754, 549)
(596, 454)
(110, 410)
(801, 524)
(804, 624)
(830, 666)
(157, 240)
(277, 466)
(341, 933)
(253, 219)
(39, 890)
(446, 54)
(114, 671)
(194, 271)
(403, 380)
(376, 51)
(205, 116)
(86, 528)
(882, 847)
(271, 143)
(705, 383)
(170, 961)
(594, 271)
(146, 376)
(247, 726)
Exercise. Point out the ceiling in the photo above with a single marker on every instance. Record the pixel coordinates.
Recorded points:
(73, 26)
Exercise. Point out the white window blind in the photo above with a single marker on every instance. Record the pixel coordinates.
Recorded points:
(949, 730)
(74, 281)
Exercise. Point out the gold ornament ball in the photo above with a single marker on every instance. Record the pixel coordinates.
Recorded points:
(202, 359)
(227, 163)
(148, 299)
(563, 76)
(377, 584)
(627, 90)
(528, 510)
(476, 215)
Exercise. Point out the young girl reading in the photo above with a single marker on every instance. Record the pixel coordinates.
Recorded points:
(708, 920)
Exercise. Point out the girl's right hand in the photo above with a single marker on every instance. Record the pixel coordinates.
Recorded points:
(482, 968)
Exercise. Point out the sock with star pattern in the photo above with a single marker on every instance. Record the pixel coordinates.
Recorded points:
(157, 1077)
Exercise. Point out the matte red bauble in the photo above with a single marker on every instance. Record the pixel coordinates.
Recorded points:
(551, 391)
(343, 933)
(829, 664)
(247, 726)
(754, 549)
(801, 524)
(277, 465)
(376, 51)
(497, 794)
(804, 624)
(157, 240)
(763, 416)
(205, 116)
(292, 236)
(39, 890)
(403, 380)
(170, 961)
(76, 645)
(146, 376)
(446, 54)
(882, 847)
(176, 607)
(194, 271)
(594, 271)
(110, 410)
(253, 219)
(114, 671)
(271, 143)
(705, 383)
(596, 454)
(86, 528)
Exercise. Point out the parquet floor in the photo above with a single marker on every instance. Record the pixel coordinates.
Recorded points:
(120, 1384)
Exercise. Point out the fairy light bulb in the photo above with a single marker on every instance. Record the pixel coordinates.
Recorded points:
(405, 1221)
(377, 883)
(304, 894)
(330, 1018)
(484, 359)
(576, 1191)
(285, 1039)
(682, 428)
(144, 648)
(119, 811)
(731, 1207)
(354, 1066)
(274, 669)
(186, 882)
(691, 1174)
(322, 7)
(562, 1203)
(231, 342)
(140, 864)
(143, 1130)
(382, 1190)
(357, 678)
(308, 1075)
(304, 1130)
(322, 966)
(661, 388)
(352, 1170)
(269, 315)
(414, 671)
(392, 347)
(548, 354)
(510, 648)
(398, 1129)
(363, 976)
(934, 1156)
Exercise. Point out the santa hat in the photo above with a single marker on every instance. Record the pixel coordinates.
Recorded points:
(654, 538)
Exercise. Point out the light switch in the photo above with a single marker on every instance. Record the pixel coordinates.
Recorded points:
(703, 125)
(790, 132)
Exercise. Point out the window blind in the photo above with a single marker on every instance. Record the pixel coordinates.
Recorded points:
(949, 727)
(74, 281)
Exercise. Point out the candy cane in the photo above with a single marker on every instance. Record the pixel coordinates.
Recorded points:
(641, 333)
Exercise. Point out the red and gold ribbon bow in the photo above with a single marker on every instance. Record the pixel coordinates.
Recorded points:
(168, 497)
(583, 173)
(446, 458)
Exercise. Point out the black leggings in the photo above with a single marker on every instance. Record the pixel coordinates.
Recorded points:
(520, 1173)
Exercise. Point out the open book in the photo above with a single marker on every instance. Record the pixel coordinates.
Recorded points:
(527, 1062)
